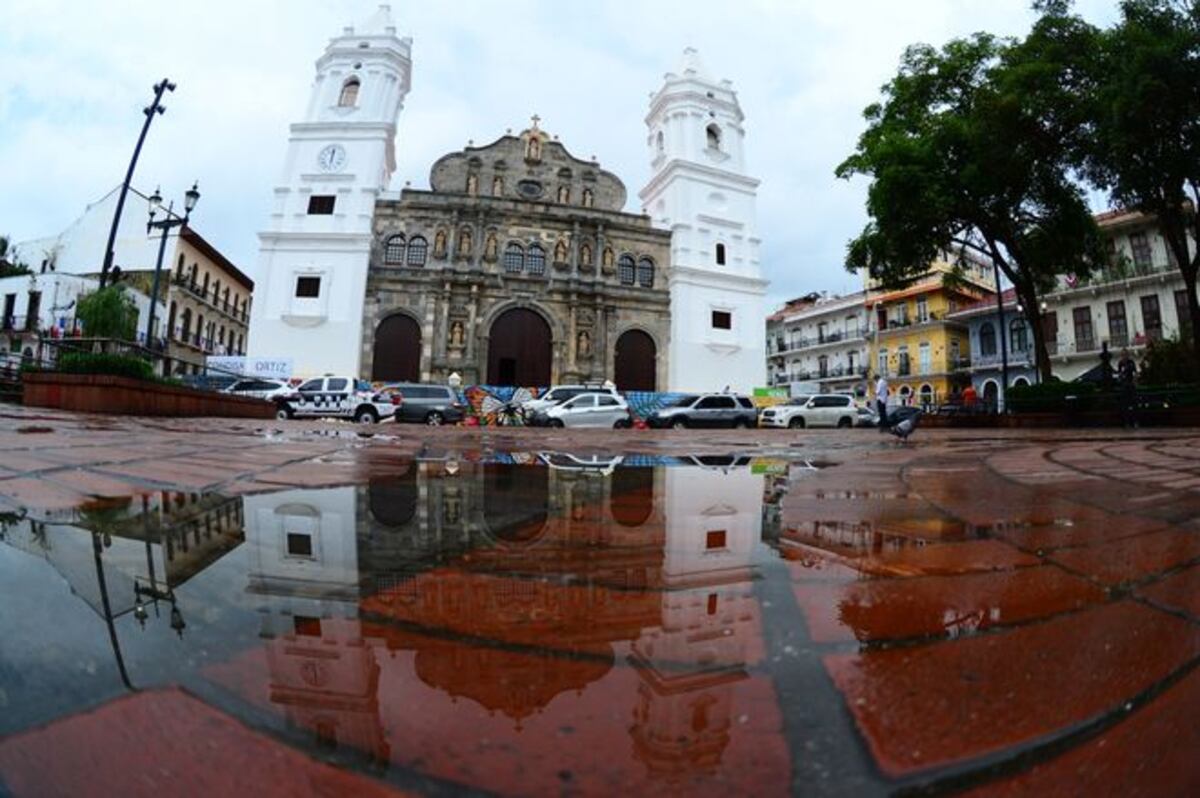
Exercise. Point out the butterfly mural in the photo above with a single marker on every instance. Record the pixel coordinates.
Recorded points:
(499, 406)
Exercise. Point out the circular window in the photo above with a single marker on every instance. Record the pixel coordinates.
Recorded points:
(530, 189)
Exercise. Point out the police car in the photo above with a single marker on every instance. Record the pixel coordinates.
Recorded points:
(337, 397)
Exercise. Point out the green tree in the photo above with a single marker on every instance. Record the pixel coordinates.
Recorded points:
(108, 313)
(1144, 146)
(971, 152)
(10, 268)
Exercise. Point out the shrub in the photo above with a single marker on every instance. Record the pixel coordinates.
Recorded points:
(104, 363)
(1052, 397)
(1168, 362)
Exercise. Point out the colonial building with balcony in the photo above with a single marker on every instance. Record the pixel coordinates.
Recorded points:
(916, 343)
(819, 343)
(204, 299)
(995, 342)
(1138, 298)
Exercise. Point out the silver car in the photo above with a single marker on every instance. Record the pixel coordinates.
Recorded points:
(259, 388)
(587, 410)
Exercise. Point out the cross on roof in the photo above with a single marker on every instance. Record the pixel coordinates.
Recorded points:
(535, 118)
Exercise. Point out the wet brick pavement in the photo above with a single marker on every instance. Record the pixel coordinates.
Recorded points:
(1002, 612)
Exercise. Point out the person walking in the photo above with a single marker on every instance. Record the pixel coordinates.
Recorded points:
(881, 397)
(1127, 376)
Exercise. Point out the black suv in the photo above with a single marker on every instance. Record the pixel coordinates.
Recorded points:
(706, 410)
(427, 404)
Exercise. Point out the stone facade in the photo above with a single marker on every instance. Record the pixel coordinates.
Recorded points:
(519, 223)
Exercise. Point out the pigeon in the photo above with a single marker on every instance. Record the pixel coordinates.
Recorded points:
(905, 427)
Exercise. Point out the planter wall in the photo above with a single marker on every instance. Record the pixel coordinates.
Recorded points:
(124, 396)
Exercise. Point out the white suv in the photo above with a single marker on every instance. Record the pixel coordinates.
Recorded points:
(337, 397)
(822, 410)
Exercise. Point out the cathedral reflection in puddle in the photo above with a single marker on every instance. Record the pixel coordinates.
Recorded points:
(518, 625)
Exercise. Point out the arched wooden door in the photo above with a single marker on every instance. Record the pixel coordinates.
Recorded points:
(519, 350)
(397, 356)
(634, 367)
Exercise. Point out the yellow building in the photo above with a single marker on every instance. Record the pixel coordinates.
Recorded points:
(913, 343)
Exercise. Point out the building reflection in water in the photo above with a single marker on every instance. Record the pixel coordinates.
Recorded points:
(501, 623)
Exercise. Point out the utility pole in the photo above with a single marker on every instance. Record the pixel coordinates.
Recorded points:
(156, 107)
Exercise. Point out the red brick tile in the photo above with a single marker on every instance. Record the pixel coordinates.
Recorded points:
(948, 702)
(1150, 753)
(164, 742)
(92, 484)
(1179, 591)
(1132, 559)
(892, 609)
(39, 494)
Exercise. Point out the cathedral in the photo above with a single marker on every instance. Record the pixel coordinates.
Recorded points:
(519, 265)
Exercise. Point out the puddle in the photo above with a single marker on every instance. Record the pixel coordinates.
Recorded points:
(511, 622)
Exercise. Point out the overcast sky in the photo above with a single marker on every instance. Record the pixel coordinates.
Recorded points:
(76, 75)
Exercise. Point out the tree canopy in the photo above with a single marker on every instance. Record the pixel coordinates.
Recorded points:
(108, 313)
(1144, 138)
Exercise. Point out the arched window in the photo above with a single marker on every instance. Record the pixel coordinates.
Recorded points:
(192, 275)
(720, 254)
(713, 134)
(179, 268)
(171, 320)
(1018, 336)
(625, 269)
(645, 273)
(393, 250)
(416, 251)
(514, 258)
(349, 95)
(987, 339)
(537, 259)
(199, 330)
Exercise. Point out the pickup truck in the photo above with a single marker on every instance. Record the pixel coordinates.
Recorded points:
(337, 397)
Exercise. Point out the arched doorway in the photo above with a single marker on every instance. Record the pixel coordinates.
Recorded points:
(634, 363)
(519, 350)
(991, 393)
(393, 500)
(632, 498)
(516, 501)
(397, 355)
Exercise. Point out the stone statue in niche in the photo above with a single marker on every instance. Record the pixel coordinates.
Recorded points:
(456, 335)
(473, 184)
(607, 261)
(497, 186)
(564, 195)
(560, 251)
(583, 344)
(533, 147)
(585, 256)
(464, 243)
(490, 247)
(439, 244)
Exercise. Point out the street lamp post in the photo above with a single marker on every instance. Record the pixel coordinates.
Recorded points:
(1000, 398)
(156, 107)
(170, 220)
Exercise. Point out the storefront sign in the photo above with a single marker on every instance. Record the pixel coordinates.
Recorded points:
(277, 368)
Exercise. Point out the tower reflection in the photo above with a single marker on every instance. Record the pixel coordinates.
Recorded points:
(481, 621)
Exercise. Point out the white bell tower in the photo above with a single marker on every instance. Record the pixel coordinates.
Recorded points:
(314, 254)
(701, 192)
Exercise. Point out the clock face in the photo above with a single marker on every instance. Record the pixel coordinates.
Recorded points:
(332, 158)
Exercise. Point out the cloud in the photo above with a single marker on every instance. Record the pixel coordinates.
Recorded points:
(77, 74)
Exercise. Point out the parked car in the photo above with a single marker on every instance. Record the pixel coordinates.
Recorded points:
(866, 418)
(428, 404)
(337, 397)
(585, 463)
(561, 393)
(781, 415)
(706, 410)
(590, 409)
(259, 388)
(822, 410)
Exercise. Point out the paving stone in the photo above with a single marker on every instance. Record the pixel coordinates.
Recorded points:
(39, 494)
(893, 609)
(1180, 591)
(91, 483)
(1132, 559)
(162, 742)
(950, 702)
(1150, 753)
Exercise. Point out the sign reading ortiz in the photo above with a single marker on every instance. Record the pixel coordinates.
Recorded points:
(279, 368)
